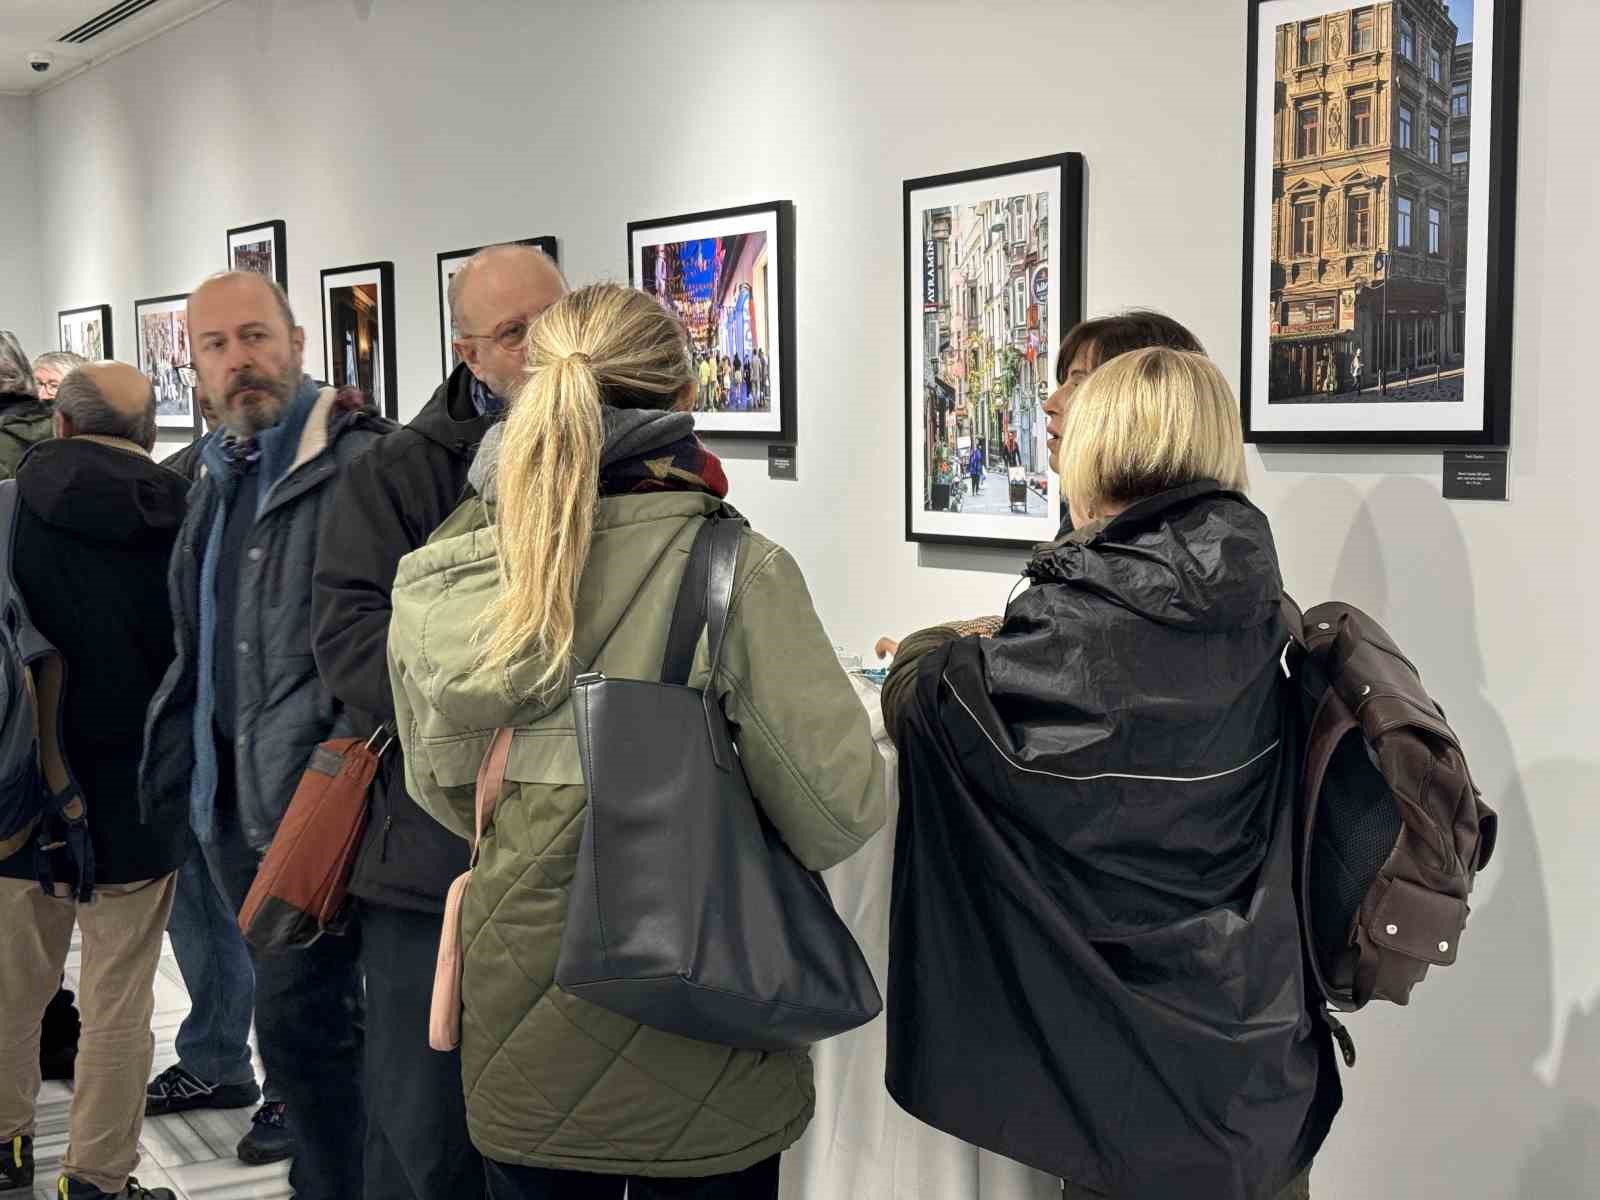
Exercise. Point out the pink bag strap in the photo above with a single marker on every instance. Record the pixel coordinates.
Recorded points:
(491, 778)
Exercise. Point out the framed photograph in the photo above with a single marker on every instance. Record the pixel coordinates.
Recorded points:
(86, 331)
(161, 327)
(1380, 191)
(260, 248)
(358, 332)
(994, 278)
(451, 261)
(729, 276)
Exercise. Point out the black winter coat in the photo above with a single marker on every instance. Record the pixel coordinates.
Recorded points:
(386, 506)
(1095, 960)
(95, 530)
(284, 708)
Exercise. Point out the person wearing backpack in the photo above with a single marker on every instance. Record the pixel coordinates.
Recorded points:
(1095, 961)
(95, 522)
(592, 493)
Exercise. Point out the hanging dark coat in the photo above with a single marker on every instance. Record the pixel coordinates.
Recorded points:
(1095, 963)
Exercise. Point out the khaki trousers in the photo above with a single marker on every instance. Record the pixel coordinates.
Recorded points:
(122, 929)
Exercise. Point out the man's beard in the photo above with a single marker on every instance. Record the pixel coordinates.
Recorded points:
(264, 408)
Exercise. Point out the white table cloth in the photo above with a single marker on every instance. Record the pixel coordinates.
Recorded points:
(861, 1145)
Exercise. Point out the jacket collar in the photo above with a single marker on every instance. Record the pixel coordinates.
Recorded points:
(115, 443)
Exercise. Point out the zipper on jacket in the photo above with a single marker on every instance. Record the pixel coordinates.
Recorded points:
(383, 839)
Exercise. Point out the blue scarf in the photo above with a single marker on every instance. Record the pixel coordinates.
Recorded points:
(486, 400)
(225, 458)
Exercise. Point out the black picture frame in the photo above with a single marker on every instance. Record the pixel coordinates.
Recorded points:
(782, 213)
(167, 385)
(446, 258)
(279, 232)
(1497, 245)
(103, 311)
(1064, 308)
(383, 384)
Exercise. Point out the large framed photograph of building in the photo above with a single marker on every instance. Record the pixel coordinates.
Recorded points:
(1380, 190)
(358, 332)
(86, 331)
(161, 334)
(728, 275)
(993, 277)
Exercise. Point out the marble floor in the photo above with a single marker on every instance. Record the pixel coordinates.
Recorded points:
(191, 1153)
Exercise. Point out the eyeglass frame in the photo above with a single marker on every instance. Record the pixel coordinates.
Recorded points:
(499, 335)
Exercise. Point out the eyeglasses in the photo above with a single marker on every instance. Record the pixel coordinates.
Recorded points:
(190, 376)
(509, 337)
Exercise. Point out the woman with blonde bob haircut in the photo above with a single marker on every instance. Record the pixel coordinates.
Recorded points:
(1108, 779)
(569, 559)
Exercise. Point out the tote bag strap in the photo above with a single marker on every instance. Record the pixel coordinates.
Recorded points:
(491, 778)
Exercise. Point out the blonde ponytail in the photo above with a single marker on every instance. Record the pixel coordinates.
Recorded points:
(599, 344)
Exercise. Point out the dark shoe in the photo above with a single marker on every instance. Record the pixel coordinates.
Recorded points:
(58, 1037)
(176, 1090)
(73, 1189)
(269, 1140)
(16, 1166)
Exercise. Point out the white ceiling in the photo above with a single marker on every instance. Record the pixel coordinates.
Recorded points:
(32, 26)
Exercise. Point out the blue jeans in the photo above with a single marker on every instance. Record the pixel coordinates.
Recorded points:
(215, 963)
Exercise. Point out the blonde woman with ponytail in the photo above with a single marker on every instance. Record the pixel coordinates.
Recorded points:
(568, 558)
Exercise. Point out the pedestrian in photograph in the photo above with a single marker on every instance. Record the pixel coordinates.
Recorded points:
(1013, 452)
(1355, 370)
(975, 469)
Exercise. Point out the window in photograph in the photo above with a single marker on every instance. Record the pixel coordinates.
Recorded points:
(1406, 121)
(1358, 234)
(1458, 166)
(1408, 43)
(1433, 144)
(1364, 35)
(1305, 228)
(1402, 236)
(1434, 230)
(1435, 65)
(1311, 43)
(1361, 121)
(1019, 302)
(1308, 132)
(1460, 100)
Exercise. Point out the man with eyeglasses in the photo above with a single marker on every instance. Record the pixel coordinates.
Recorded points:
(386, 505)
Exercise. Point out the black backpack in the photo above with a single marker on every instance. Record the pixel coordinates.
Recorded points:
(40, 801)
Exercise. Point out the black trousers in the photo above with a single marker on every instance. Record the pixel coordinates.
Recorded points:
(506, 1182)
(417, 1143)
(309, 1024)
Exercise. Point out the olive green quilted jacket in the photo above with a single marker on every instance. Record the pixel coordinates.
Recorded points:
(552, 1081)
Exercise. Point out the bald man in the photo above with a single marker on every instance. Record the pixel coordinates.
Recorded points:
(387, 505)
(242, 708)
(96, 522)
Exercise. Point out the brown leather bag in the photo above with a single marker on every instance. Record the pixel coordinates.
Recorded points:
(300, 888)
(1393, 830)
(444, 1016)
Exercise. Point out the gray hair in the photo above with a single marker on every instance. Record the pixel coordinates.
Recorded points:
(278, 293)
(81, 401)
(16, 372)
(459, 279)
(59, 360)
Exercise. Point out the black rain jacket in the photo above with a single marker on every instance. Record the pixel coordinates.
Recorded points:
(1095, 962)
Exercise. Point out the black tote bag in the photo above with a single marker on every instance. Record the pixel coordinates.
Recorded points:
(687, 911)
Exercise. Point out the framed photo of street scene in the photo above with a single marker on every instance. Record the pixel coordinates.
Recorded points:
(260, 248)
(86, 331)
(729, 276)
(358, 332)
(451, 261)
(161, 330)
(993, 277)
(1380, 192)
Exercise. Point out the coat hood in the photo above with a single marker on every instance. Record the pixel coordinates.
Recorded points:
(450, 419)
(103, 491)
(1197, 557)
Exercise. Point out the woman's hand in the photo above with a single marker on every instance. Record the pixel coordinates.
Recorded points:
(886, 647)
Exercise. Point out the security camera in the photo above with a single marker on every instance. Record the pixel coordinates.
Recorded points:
(40, 62)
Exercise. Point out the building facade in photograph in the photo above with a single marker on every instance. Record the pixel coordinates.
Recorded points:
(1365, 205)
(985, 328)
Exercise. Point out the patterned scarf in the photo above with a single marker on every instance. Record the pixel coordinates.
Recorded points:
(239, 452)
(681, 466)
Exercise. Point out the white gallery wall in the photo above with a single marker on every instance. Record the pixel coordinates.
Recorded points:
(20, 307)
(386, 129)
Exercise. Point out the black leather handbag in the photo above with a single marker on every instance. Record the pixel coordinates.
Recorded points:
(687, 912)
